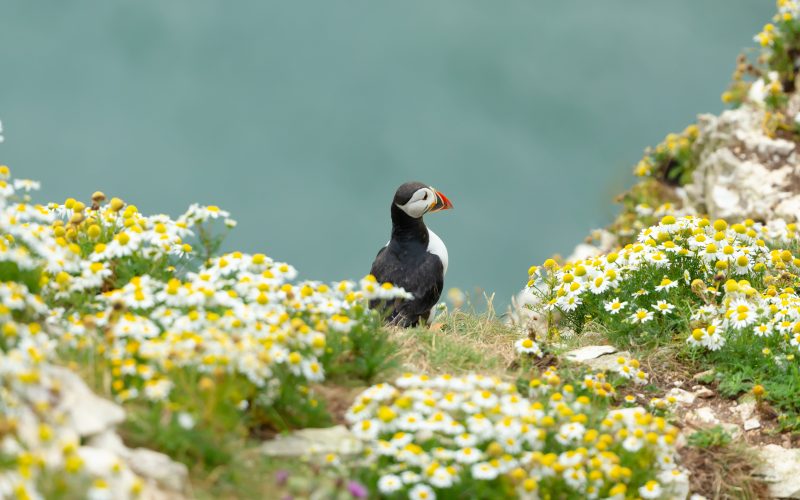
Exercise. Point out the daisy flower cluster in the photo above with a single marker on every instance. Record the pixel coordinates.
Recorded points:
(239, 314)
(445, 435)
(643, 206)
(774, 69)
(685, 262)
(668, 165)
(713, 283)
(671, 161)
(134, 300)
(631, 369)
(40, 451)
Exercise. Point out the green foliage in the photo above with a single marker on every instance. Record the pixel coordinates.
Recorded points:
(363, 353)
(62, 485)
(155, 427)
(292, 406)
(10, 271)
(707, 438)
(728, 301)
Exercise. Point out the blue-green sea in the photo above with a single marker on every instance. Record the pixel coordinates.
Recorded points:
(302, 117)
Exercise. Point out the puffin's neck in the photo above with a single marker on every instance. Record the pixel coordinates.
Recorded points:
(406, 229)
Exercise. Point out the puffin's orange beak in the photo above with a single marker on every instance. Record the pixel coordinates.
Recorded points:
(442, 203)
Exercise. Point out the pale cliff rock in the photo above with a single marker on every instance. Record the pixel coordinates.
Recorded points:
(742, 172)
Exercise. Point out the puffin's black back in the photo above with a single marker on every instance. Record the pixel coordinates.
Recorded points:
(406, 262)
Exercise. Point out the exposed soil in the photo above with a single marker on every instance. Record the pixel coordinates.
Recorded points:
(337, 399)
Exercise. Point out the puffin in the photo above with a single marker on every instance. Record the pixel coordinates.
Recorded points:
(415, 257)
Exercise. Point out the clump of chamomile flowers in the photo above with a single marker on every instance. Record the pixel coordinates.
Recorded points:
(662, 169)
(40, 450)
(449, 436)
(774, 69)
(145, 311)
(673, 160)
(721, 288)
(769, 80)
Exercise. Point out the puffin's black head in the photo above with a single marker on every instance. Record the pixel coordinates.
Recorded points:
(416, 199)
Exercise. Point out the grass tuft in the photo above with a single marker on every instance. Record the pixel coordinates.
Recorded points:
(458, 342)
(721, 468)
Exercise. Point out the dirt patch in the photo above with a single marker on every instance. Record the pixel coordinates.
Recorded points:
(666, 368)
(337, 399)
(729, 411)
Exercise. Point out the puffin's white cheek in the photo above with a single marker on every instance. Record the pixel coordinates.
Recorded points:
(419, 208)
(415, 209)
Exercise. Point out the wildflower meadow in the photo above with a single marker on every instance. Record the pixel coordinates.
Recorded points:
(205, 355)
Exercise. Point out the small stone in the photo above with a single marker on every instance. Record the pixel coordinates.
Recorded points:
(780, 469)
(745, 410)
(166, 472)
(683, 397)
(703, 416)
(607, 363)
(311, 441)
(703, 392)
(751, 423)
(703, 375)
(589, 352)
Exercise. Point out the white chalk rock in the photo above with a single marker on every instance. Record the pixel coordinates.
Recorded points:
(685, 398)
(589, 352)
(742, 172)
(150, 464)
(86, 412)
(780, 469)
(307, 442)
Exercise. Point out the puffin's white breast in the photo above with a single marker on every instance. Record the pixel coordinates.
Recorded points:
(437, 248)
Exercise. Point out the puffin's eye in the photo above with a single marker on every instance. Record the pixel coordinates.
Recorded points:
(425, 197)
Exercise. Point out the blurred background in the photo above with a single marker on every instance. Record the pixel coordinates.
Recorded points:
(303, 117)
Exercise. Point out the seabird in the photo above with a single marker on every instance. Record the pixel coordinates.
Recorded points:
(415, 258)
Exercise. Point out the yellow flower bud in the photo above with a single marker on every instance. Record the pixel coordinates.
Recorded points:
(116, 204)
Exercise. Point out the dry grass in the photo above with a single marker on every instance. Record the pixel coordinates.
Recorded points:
(722, 472)
(665, 363)
(458, 342)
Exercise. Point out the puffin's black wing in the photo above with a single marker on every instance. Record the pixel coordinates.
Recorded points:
(421, 275)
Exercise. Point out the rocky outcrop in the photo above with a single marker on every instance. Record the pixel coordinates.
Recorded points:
(780, 469)
(88, 414)
(742, 172)
(89, 422)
